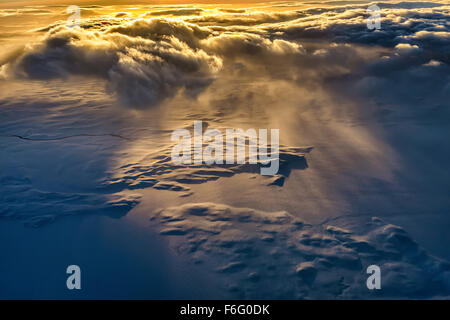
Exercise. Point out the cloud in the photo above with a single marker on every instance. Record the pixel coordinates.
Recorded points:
(24, 11)
(406, 48)
(148, 60)
(370, 99)
(140, 71)
(175, 12)
(312, 261)
(143, 62)
(161, 29)
(245, 19)
(233, 10)
(121, 14)
(244, 45)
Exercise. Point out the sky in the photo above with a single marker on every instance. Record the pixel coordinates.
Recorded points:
(122, 2)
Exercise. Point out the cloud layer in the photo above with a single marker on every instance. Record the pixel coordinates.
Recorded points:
(145, 61)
